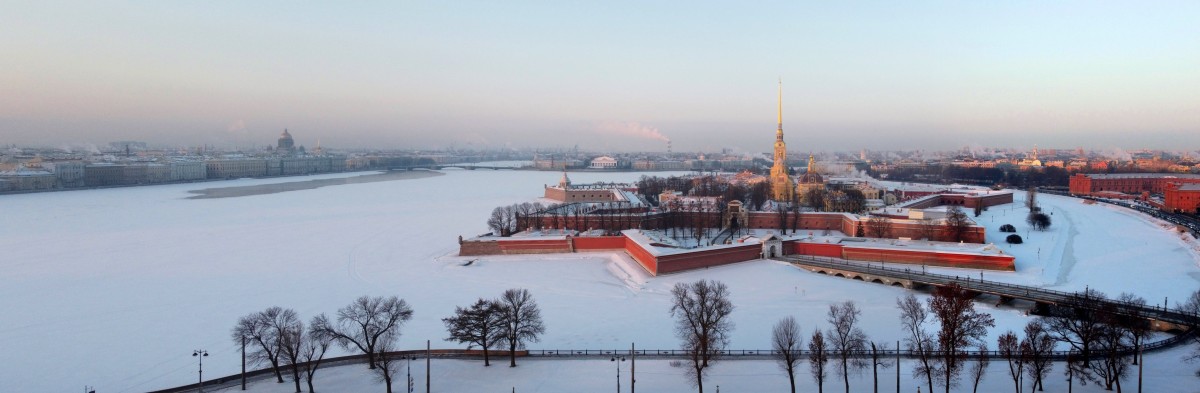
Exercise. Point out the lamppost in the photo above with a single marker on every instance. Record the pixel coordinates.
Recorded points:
(410, 380)
(614, 360)
(200, 353)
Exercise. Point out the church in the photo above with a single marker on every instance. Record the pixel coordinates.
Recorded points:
(782, 186)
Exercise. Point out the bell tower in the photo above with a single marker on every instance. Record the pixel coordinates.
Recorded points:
(781, 184)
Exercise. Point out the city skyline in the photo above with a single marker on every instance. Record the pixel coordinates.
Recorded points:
(609, 77)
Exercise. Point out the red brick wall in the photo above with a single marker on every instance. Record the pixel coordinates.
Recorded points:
(599, 242)
(832, 250)
(471, 248)
(643, 257)
(993, 262)
(707, 258)
(538, 246)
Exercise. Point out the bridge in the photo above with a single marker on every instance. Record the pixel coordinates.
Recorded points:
(1160, 318)
(467, 166)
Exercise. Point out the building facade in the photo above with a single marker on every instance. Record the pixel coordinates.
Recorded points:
(1182, 198)
(1127, 183)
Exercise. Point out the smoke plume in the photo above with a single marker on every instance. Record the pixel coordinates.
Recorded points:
(631, 128)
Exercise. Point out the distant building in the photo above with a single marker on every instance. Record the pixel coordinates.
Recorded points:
(286, 143)
(603, 162)
(69, 173)
(564, 191)
(27, 179)
(1179, 197)
(1127, 183)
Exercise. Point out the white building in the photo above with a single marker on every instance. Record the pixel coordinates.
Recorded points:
(603, 162)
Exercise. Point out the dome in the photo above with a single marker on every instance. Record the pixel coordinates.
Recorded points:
(285, 141)
(811, 178)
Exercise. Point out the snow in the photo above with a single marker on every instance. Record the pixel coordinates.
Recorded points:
(658, 375)
(116, 287)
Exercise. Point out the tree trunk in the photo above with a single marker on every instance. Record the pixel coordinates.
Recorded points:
(512, 353)
(846, 372)
(310, 385)
(296, 378)
(278, 374)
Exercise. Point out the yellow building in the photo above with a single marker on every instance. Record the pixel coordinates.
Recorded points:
(781, 184)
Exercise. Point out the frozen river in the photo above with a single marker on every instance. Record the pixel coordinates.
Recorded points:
(116, 287)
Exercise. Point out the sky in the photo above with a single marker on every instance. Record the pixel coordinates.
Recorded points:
(613, 75)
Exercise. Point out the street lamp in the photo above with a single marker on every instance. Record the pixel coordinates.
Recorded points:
(410, 380)
(200, 353)
(614, 360)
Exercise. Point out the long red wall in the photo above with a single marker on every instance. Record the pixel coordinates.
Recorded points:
(643, 257)
(931, 258)
(599, 243)
(725, 255)
(708, 258)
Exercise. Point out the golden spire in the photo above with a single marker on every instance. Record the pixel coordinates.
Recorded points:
(780, 111)
(811, 163)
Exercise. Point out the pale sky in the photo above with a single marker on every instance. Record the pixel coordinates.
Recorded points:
(602, 75)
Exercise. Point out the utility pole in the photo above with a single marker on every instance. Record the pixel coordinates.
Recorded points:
(897, 366)
(633, 367)
(243, 362)
(427, 354)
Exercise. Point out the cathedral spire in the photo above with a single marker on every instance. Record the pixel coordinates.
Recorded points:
(779, 113)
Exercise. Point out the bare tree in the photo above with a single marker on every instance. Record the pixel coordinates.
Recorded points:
(521, 321)
(481, 324)
(927, 229)
(957, 223)
(877, 362)
(1010, 349)
(369, 322)
(386, 365)
(913, 317)
(1036, 348)
(1078, 323)
(1114, 342)
(1133, 321)
(1031, 200)
(258, 329)
(846, 338)
(879, 227)
(818, 358)
(961, 327)
(785, 339)
(980, 365)
(701, 310)
(1192, 307)
(315, 346)
(291, 343)
(782, 211)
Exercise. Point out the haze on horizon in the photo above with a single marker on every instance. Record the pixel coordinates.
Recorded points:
(609, 75)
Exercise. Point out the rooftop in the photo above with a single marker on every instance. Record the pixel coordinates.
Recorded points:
(1142, 176)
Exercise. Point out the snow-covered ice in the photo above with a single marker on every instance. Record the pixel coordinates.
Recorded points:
(116, 287)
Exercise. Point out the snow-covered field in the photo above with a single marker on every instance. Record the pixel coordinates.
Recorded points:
(116, 287)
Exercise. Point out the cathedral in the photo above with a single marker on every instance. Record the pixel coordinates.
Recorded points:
(782, 187)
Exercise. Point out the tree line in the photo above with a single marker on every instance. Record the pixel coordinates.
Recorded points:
(276, 337)
(940, 333)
